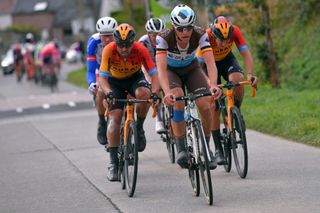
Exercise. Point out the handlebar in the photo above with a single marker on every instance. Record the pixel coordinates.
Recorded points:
(229, 85)
(192, 96)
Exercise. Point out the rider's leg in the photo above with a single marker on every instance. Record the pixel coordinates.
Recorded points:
(142, 110)
(238, 91)
(216, 137)
(102, 124)
(179, 129)
(114, 140)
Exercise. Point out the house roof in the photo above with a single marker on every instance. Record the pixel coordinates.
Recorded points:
(65, 10)
(6, 6)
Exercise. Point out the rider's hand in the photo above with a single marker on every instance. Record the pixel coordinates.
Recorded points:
(216, 91)
(169, 99)
(93, 88)
(156, 99)
(253, 79)
(109, 96)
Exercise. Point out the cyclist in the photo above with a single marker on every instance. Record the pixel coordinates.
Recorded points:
(178, 66)
(105, 27)
(153, 26)
(18, 61)
(222, 34)
(51, 58)
(120, 72)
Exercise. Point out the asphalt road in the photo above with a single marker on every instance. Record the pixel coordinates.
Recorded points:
(50, 161)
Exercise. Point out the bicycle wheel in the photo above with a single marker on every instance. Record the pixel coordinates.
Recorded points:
(131, 159)
(239, 143)
(121, 159)
(169, 137)
(194, 178)
(203, 161)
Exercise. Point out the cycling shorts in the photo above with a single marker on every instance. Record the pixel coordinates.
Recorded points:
(225, 67)
(190, 76)
(121, 87)
(47, 60)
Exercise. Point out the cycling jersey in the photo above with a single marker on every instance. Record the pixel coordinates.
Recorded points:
(94, 52)
(220, 53)
(114, 65)
(145, 40)
(50, 54)
(178, 57)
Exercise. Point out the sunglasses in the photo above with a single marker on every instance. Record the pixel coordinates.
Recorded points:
(124, 44)
(183, 29)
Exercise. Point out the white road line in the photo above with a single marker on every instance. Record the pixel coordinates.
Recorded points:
(19, 109)
(71, 104)
(46, 106)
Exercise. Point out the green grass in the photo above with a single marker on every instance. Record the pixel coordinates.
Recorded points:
(78, 77)
(286, 113)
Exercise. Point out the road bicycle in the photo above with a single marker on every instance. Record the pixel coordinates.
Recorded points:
(233, 135)
(197, 148)
(128, 149)
(167, 136)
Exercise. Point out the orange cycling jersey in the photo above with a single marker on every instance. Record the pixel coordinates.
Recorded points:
(114, 65)
(221, 53)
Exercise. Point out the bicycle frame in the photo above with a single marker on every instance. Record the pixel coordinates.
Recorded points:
(230, 98)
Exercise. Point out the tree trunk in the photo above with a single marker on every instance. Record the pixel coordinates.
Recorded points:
(271, 54)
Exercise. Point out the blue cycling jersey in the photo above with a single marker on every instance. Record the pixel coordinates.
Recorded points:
(94, 53)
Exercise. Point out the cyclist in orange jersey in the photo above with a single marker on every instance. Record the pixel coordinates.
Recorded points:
(120, 73)
(222, 34)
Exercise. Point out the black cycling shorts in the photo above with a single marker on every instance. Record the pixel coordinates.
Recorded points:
(121, 87)
(225, 67)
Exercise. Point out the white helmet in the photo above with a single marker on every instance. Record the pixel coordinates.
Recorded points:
(106, 25)
(29, 36)
(154, 25)
(182, 15)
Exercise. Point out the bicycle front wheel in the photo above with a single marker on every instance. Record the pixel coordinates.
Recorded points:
(203, 161)
(131, 159)
(239, 143)
(169, 137)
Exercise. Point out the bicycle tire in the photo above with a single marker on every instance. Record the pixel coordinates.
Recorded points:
(169, 133)
(194, 179)
(203, 161)
(239, 143)
(131, 159)
(121, 157)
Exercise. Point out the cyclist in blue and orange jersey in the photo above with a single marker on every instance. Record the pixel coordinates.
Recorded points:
(153, 26)
(18, 61)
(105, 27)
(120, 73)
(222, 35)
(178, 67)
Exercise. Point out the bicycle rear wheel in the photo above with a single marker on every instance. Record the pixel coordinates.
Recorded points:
(226, 144)
(131, 159)
(239, 143)
(169, 137)
(203, 161)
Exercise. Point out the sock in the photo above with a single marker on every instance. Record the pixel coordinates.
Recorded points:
(216, 139)
(140, 122)
(102, 119)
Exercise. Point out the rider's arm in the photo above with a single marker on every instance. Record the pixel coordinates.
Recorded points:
(150, 67)
(244, 51)
(161, 62)
(91, 58)
(104, 72)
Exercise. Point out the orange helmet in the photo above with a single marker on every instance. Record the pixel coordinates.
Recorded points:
(124, 35)
(222, 28)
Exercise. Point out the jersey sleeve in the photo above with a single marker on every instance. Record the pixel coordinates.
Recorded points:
(104, 70)
(162, 45)
(204, 44)
(147, 61)
(91, 59)
(239, 39)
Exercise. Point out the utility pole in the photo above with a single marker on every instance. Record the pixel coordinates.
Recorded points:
(147, 6)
